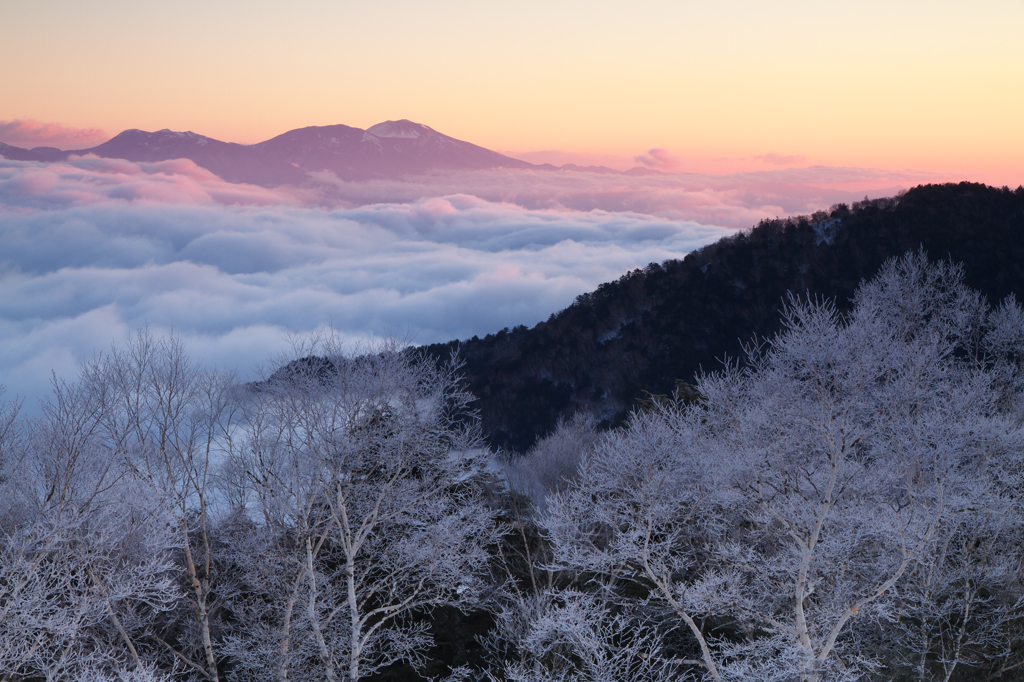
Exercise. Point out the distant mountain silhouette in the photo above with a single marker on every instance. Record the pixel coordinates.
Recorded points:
(35, 154)
(392, 149)
(230, 161)
(389, 149)
(669, 321)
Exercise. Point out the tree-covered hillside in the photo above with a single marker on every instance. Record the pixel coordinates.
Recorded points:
(846, 507)
(670, 321)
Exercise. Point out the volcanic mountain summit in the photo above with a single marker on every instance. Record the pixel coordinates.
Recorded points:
(386, 150)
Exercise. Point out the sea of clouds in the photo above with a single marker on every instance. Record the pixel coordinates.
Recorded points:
(93, 249)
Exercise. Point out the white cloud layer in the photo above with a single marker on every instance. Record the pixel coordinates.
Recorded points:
(92, 249)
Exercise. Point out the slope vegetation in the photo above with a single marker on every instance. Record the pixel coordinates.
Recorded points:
(673, 320)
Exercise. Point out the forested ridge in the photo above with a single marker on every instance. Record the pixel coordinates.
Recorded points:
(841, 502)
(668, 321)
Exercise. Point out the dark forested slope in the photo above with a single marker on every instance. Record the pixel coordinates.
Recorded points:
(668, 321)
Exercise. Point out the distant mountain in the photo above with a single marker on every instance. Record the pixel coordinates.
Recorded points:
(35, 154)
(669, 321)
(389, 149)
(230, 161)
(392, 149)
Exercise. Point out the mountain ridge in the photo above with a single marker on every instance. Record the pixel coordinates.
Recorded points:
(387, 150)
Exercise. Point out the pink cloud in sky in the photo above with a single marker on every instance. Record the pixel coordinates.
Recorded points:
(31, 133)
(780, 159)
(660, 159)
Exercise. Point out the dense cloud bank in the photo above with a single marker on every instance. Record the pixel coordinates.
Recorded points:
(94, 248)
(738, 200)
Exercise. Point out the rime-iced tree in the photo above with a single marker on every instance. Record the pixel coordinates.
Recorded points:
(162, 420)
(84, 561)
(361, 512)
(780, 518)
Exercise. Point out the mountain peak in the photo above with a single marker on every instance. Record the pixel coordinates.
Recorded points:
(403, 128)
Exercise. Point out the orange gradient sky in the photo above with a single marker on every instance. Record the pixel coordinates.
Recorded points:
(933, 86)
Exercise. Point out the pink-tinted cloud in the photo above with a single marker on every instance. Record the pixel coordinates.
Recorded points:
(780, 159)
(91, 180)
(661, 160)
(31, 133)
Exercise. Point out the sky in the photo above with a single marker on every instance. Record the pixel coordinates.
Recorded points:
(926, 85)
(753, 109)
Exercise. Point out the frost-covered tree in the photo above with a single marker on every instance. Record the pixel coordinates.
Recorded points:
(783, 519)
(549, 467)
(331, 510)
(538, 610)
(83, 564)
(551, 464)
(960, 614)
(571, 636)
(362, 512)
(162, 420)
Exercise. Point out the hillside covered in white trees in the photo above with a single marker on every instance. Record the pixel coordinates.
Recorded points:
(845, 505)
